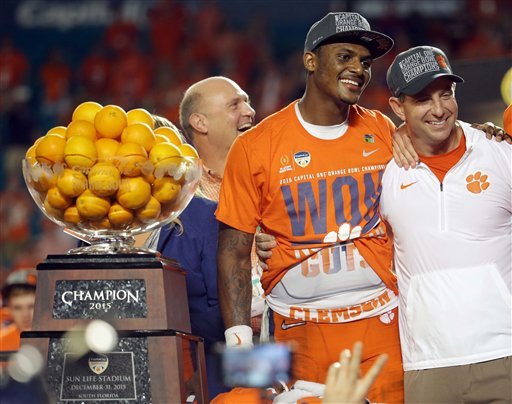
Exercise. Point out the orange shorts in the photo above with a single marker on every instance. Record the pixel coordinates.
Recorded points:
(317, 345)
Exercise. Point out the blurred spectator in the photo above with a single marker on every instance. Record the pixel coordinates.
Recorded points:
(19, 294)
(16, 209)
(19, 122)
(121, 34)
(130, 79)
(95, 72)
(16, 124)
(14, 65)
(488, 41)
(55, 76)
(167, 29)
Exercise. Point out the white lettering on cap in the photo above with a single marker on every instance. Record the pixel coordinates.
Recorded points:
(349, 22)
(417, 64)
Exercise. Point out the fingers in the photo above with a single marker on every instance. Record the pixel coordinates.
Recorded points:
(502, 135)
(265, 238)
(332, 374)
(355, 361)
(403, 150)
(398, 159)
(374, 371)
(264, 245)
(492, 131)
(262, 254)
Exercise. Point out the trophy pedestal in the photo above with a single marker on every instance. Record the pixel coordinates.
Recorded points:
(144, 298)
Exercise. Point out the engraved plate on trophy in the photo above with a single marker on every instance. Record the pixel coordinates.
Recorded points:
(108, 298)
(94, 376)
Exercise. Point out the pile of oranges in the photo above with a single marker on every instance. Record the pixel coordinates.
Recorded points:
(109, 169)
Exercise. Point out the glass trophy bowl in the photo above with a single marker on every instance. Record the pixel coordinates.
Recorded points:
(104, 207)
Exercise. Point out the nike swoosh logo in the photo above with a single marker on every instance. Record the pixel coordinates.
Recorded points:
(403, 186)
(285, 326)
(238, 340)
(369, 153)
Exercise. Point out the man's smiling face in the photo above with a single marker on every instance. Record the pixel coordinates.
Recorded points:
(343, 70)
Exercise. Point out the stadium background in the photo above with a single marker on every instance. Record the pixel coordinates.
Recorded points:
(55, 54)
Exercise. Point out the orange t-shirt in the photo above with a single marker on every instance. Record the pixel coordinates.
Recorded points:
(302, 189)
(10, 338)
(440, 164)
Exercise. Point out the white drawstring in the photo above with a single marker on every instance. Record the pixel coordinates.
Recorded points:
(265, 324)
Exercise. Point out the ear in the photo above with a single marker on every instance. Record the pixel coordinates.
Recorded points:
(309, 59)
(397, 107)
(198, 122)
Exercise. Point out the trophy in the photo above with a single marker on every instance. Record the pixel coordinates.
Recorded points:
(105, 178)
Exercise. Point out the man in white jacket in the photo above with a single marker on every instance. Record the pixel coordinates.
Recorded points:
(451, 219)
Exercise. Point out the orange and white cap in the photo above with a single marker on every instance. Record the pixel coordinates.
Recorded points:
(24, 277)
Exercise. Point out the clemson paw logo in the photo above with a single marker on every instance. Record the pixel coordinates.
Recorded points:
(477, 182)
(441, 61)
(387, 318)
(344, 233)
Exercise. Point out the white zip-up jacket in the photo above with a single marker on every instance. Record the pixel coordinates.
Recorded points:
(453, 252)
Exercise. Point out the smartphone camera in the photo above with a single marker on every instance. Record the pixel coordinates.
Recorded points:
(259, 366)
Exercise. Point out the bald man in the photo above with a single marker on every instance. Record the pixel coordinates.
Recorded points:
(213, 112)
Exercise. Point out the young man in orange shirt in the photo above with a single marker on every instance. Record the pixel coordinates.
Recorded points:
(19, 294)
(310, 175)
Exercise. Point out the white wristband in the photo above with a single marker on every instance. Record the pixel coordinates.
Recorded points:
(238, 336)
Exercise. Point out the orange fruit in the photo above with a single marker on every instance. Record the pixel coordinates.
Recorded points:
(161, 139)
(150, 211)
(39, 139)
(130, 158)
(149, 177)
(71, 183)
(119, 217)
(50, 149)
(173, 136)
(133, 192)
(43, 178)
(57, 199)
(80, 152)
(58, 130)
(107, 148)
(71, 215)
(30, 155)
(139, 133)
(51, 211)
(91, 206)
(81, 128)
(166, 189)
(163, 151)
(86, 111)
(140, 115)
(104, 179)
(110, 121)
(188, 150)
(100, 224)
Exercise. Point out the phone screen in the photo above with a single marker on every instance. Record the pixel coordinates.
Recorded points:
(258, 366)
